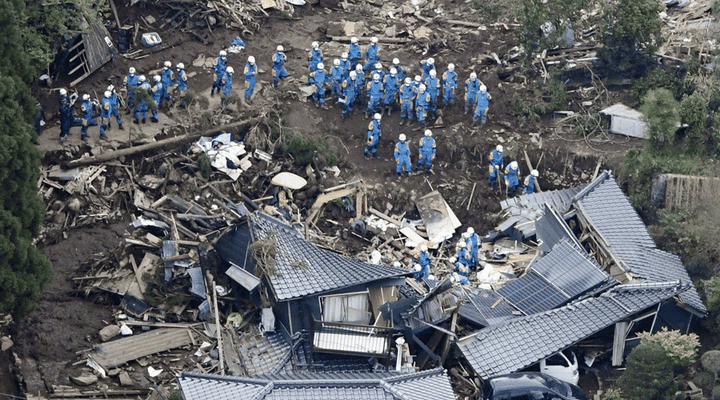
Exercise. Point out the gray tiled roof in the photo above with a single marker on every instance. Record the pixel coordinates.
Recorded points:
(304, 269)
(526, 209)
(562, 275)
(521, 342)
(482, 306)
(551, 228)
(427, 385)
(265, 354)
(604, 205)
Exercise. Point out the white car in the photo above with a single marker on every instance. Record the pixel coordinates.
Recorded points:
(562, 365)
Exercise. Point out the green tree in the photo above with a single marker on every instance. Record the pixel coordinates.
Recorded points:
(23, 269)
(631, 38)
(649, 374)
(533, 14)
(693, 111)
(662, 114)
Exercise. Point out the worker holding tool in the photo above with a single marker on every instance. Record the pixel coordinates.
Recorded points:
(278, 68)
(496, 163)
(529, 184)
(373, 136)
(511, 178)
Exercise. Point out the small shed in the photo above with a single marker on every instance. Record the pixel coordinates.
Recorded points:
(92, 52)
(626, 121)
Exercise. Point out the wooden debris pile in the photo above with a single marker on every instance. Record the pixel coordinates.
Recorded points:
(691, 30)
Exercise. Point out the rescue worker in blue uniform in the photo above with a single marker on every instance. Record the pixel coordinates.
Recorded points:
(483, 103)
(354, 52)
(278, 60)
(378, 69)
(349, 89)
(432, 83)
(336, 78)
(315, 56)
(360, 82)
(420, 272)
(449, 79)
(391, 90)
(462, 264)
(226, 85)
(372, 54)
(87, 115)
(471, 240)
(345, 65)
(144, 91)
(156, 94)
(167, 76)
(511, 178)
(421, 105)
(472, 86)
(529, 183)
(407, 101)
(66, 115)
(424, 258)
(399, 68)
(250, 72)
(373, 136)
(219, 66)
(374, 92)
(426, 152)
(115, 103)
(105, 110)
(131, 83)
(427, 66)
(496, 164)
(182, 85)
(402, 156)
(319, 79)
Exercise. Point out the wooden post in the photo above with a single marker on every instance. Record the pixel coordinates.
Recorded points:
(619, 343)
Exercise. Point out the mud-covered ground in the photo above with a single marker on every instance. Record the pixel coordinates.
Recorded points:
(46, 342)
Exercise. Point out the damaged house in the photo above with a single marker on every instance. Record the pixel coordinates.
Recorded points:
(598, 275)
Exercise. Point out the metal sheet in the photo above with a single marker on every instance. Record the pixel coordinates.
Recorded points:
(244, 278)
(440, 221)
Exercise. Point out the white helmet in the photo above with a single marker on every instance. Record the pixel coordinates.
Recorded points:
(336, 62)
(535, 173)
(408, 80)
(417, 268)
(377, 116)
(251, 60)
(396, 61)
(473, 76)
(470, 230)
(180, 66)
(452, 260)
(428, 133)
(223, 53)
(320, 66)
(353, 40)
(63, 92)
(431, 61)
(393, 71)
(168, 64)
(86, 96)
(374, 40)
(423, 248)
(499, 148)
(483, 88)
(422, 88)
(156, 78)
(353, 74)
(461, 244)
(418, 78)
(107, 94)
(131, 71)
(344, 56)
(142, 78)
(230, 70)
(451, 67)
(514, 165)
(402, 137)
(378, 66)
(111, 88)
(315, 45)
(376, 77)
(359, 68)
(280, 48)
(433, 73)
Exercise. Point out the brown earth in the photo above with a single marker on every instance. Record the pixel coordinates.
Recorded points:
(63, 323)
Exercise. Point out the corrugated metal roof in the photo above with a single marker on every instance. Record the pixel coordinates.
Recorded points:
(604, 205)
(427, 385)
(304, 269)
(521, 342)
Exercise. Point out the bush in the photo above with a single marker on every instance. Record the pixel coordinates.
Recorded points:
(306, 151)
(716, 393)
(693, 111)
(672, 80)
(661, 113)
(703, 379)
(680, 349)
(205, 166)
(613, 394)
(649, 374)
(710, 361)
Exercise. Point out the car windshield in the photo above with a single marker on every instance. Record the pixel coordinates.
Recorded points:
(557, 386)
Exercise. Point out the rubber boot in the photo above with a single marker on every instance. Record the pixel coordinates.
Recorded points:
(389, 111)
(402, 121)
(120, 125)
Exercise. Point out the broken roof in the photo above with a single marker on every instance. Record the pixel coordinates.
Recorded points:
(521, 342)
(526, 209)
(560, 276)
(431, 385)
(484, 307)
(304, 269)
(603, 204)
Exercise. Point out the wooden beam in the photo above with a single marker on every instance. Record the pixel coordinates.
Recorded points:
(380, 39)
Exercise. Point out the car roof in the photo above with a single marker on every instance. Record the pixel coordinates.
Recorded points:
(528, 380)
